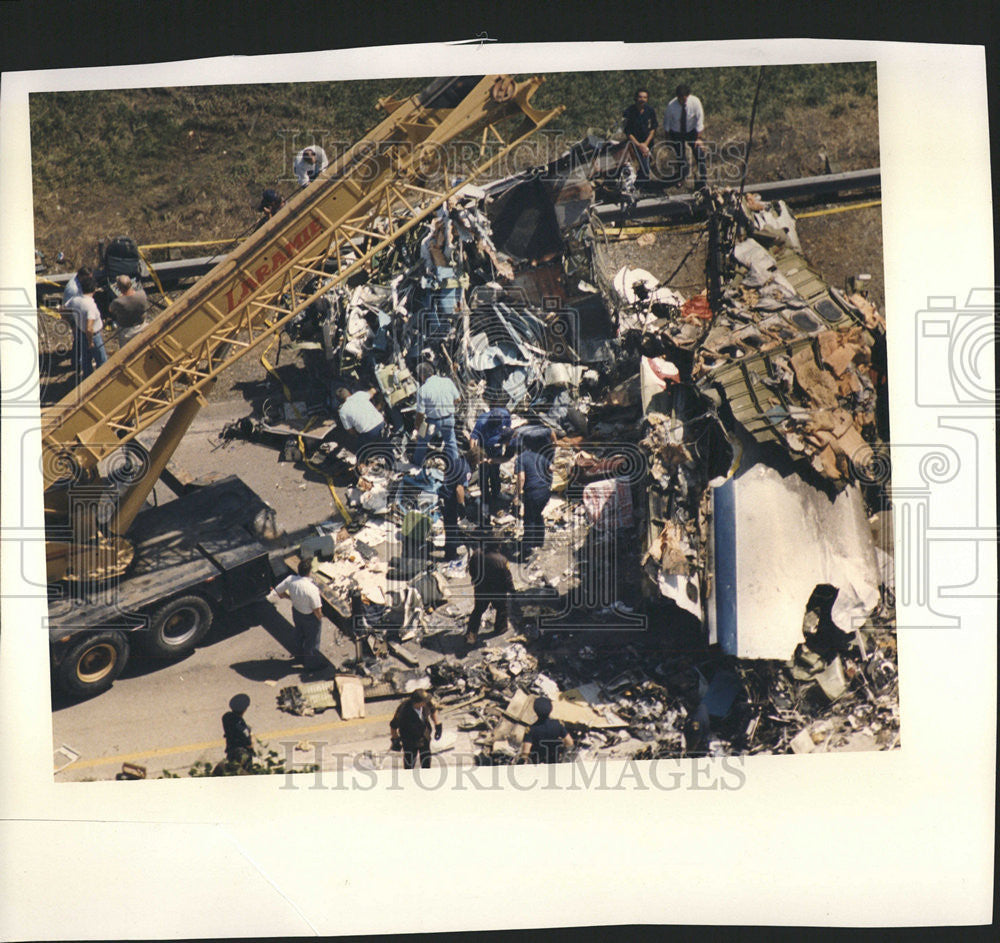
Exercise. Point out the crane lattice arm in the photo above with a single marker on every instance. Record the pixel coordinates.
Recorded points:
(376, 192)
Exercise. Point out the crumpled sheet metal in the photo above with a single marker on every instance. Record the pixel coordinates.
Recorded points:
(815, 397)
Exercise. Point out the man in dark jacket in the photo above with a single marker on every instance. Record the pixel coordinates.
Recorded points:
(491, 583)
(533, 476)
(239, 743)
(547, 738)
(639, 124)
(453, 492)
(410, 729)
(490, 431)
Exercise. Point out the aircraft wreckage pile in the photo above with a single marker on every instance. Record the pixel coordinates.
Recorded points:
(716, 463)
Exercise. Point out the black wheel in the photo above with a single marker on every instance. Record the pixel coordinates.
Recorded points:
(91, 664)
(178, 626)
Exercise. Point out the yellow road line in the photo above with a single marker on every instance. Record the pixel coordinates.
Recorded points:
(218, 744)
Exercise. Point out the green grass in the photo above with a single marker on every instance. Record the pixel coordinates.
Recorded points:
(189, 163)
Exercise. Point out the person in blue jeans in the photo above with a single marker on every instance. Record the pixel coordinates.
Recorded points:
(88, 340)
(533, 476)
(437, 400)
(453, 492)
(489, 432)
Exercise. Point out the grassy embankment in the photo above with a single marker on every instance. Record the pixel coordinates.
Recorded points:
(186, 164)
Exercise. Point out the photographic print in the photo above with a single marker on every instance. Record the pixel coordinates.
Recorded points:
(550, 454)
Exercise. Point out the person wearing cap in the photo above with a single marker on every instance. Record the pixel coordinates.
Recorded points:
(307, 614)
(411, 726)
(437, 400)
(239, 743)
(270, 202)
(309, 163)
(129, 309)
(547, 739)
(492, 584)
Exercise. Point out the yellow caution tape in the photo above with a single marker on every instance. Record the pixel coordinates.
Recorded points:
(839, 209)
(342, 510)
(156, 278)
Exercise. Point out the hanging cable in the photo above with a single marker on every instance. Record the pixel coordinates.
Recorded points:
(753, 115)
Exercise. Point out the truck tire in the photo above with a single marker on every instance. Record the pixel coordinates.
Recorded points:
(91, 665)
(178, 626)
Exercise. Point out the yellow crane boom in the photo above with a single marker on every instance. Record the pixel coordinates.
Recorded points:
(376, 192)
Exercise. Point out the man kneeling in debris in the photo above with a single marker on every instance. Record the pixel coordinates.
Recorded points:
(547, 739)
(358, 414)
(410, 729)
(491, 583)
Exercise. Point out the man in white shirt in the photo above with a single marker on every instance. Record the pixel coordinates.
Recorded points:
(359, 415)
(88, 342)
(684, 122)
(437, 400)
(307, 614)
(309, 163)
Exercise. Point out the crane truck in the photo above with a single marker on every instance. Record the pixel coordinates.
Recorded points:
(120, 572)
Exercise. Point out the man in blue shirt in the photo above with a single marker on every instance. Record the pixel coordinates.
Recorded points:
(533, 475)
(547, 739)
(453, 492)
(437, 400)
(489, 432)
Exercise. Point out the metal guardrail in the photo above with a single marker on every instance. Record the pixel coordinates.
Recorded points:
(685, 206)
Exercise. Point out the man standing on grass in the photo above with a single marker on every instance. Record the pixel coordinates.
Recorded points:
(684, 122)
(88, 342)
(639, 125)
(307, 614)
(309, 163)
